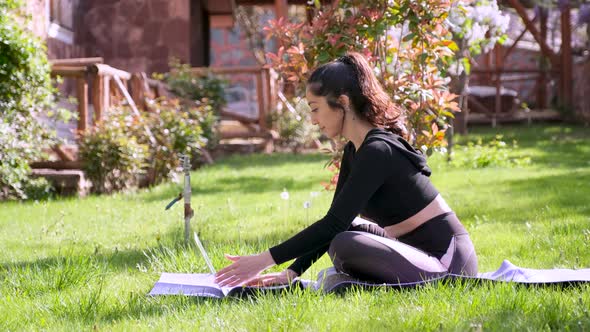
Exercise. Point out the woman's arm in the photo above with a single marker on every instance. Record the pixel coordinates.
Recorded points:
(372, 166)
(302, 263)
(243, 269)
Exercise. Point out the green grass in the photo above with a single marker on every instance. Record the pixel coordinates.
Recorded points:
(83, 264)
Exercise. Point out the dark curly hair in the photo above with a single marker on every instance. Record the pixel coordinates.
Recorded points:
(351, 75)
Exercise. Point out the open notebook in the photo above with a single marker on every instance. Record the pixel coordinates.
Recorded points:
(203, 285)
(329, 280)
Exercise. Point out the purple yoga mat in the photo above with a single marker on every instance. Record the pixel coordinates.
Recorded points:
(513, 273)
(329, 280)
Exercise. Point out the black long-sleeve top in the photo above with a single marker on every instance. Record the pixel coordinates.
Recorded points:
(385, 180)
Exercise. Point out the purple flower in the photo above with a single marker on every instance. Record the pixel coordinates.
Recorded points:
(562, 3)
(584, 14)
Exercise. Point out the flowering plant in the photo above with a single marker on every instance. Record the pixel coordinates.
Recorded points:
(408, 43)
(477, 26)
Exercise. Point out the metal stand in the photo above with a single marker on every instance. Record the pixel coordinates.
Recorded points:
(188, 211)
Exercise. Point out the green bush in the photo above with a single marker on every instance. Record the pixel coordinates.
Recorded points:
(112, 157)
(205, 92)
(205, 116)
(16, 150)
(124, 146)
(495, 153)
(25, 92)
(176, 129)
(186, 84)
(294, 126)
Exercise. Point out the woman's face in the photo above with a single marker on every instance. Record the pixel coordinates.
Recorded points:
(327, 118)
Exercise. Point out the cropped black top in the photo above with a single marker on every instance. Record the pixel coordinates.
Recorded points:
(384, 180)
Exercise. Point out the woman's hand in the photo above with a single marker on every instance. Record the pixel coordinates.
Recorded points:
(243, 269)
(277, 278)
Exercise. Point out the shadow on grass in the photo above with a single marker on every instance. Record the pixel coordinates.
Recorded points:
(230, 182)
(118, 260)
(240, 184)
(79, 279)
(71, 268)
(562, 145)
(558, 193)
(273, 160)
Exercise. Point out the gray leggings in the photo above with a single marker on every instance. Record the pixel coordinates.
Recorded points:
(439, 246)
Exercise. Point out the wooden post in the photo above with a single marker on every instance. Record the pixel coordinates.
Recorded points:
(137, 92)
(262, 110)
(115, 96)
(542, 78)
(273, 88)
(106, 93)
(260, 97)
(82, 94)
(498, 66)
(97, 97)
(267, 90)
(566, 57)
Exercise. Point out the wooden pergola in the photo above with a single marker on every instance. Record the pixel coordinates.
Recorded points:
(556, 65)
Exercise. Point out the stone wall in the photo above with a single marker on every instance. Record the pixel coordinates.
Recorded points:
(139, 35)
(133, 35)
(56, 49)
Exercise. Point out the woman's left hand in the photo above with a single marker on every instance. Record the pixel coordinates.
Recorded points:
(243, 269)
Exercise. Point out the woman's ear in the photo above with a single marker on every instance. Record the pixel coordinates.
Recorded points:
(344, 101)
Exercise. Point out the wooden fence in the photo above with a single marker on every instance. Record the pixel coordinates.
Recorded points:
(103, 86)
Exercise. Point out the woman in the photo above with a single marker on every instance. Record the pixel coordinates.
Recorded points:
(413, 235)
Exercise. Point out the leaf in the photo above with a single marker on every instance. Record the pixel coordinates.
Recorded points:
(466, 65)
(450, 44)
(408, 37)
(423, 57)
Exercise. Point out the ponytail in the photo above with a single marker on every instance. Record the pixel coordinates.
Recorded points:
(352, 75)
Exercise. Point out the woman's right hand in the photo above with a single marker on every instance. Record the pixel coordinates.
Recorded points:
(271, 279)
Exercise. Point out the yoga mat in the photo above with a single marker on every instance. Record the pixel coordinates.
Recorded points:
(329, 280)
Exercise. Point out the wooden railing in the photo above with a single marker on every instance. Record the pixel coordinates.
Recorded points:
(493, 73)
(265, 92)
(109, 85)
(265, 97)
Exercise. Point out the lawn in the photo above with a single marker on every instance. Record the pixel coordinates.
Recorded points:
(81, 264)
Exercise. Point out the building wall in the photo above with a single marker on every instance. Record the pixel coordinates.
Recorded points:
(38, 24)
(133, 35)
(138, 35)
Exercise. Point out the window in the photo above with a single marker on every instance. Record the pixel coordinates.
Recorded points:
(61, 19)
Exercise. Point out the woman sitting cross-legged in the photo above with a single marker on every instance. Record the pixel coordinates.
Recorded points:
(413, 234)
